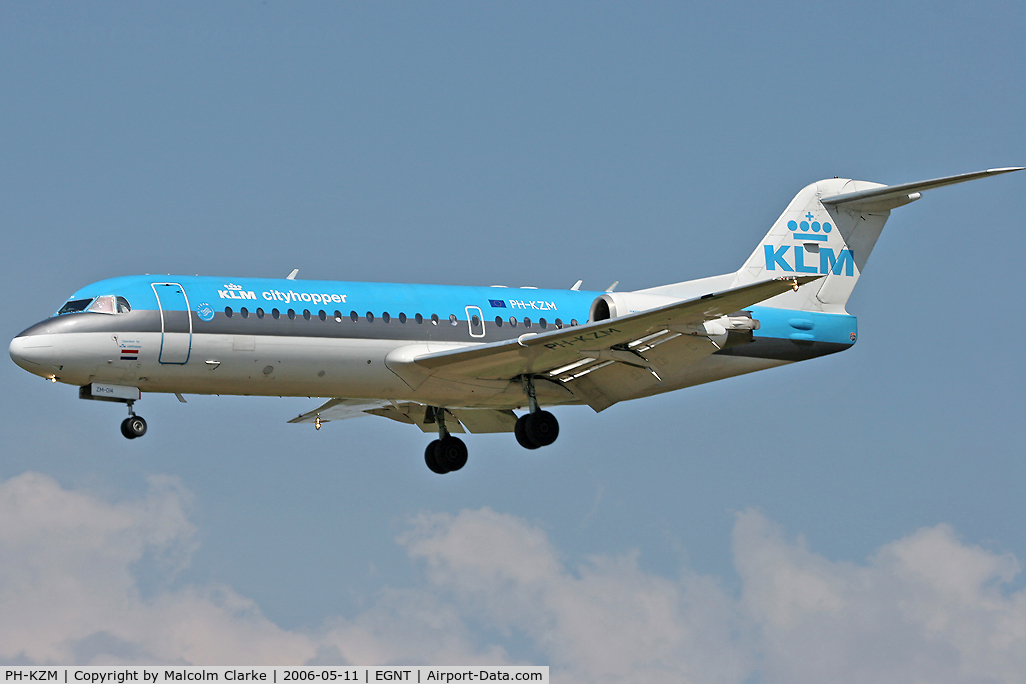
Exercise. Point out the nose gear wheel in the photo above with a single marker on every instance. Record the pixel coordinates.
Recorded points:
(133, 426)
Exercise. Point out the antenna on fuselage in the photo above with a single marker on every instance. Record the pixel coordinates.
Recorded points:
(613, 286)
(577, 285)
(292, 276)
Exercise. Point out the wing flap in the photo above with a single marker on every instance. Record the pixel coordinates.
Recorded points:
(457, 421)
(339, 409)
(486, 420)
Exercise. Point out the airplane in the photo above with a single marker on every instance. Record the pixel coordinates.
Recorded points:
(451, 359)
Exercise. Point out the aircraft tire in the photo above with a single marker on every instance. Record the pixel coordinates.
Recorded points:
(451, 453)
(541, 427)
(430, 457)
(133, 426)
(520, 431)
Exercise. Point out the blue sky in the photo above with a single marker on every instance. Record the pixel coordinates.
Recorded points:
(524, 144)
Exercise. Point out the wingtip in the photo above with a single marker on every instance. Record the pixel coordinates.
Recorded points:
(1006, 169)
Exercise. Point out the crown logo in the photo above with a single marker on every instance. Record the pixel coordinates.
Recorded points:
(232, 286)
(809, 229)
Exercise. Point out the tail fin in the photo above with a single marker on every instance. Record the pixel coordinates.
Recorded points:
(830, 228)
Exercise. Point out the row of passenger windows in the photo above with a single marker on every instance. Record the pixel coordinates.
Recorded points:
(369, 316)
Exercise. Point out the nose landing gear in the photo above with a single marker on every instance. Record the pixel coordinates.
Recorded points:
(133, 426)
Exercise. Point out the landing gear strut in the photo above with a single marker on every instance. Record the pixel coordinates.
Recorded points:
(133, 426)
(447, 453)
(537, 428)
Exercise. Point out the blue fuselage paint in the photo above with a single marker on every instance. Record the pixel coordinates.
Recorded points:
(219, 294)
(392, 300)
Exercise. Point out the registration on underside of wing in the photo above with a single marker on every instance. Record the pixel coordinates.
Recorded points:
(567, 353)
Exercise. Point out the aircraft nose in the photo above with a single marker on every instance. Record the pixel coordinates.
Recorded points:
(34, 353)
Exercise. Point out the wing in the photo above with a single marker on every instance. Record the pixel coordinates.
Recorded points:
(411, 413)
(541, 352)
(619, 348)
(618, 352)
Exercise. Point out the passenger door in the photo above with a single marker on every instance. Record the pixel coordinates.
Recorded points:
(175, 323)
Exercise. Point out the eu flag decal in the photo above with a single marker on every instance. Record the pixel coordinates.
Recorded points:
(497, 303)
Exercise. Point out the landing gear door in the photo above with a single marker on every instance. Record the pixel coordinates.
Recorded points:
(475, 319)
(175, 323)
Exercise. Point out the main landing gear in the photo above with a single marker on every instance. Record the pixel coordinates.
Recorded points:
(133, 426)
(538, 428)
(533, 430)
(447, 453)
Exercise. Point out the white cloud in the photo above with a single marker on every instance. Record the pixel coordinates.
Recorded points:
(603, 621)
(927, 607)
(924, 608)
(68, 593)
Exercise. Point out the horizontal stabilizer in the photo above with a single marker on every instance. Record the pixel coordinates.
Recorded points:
(890, 196)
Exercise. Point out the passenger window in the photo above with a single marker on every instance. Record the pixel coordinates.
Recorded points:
(370, 317)
(292, 314)
(527, 322)
(228, 311)
(513, 321)
(321, 315)
(419, 318)
(260, 313)
(573, 321)
(338, 316)
(434, 319)
(402, 317)
(559, 323)
(452, 319)
(245, 312)
(104, 304)
(353, 316)
(498, 321)
(475, 320)
(275, 314)
(385, 317)
(543, 323)
(123, 305)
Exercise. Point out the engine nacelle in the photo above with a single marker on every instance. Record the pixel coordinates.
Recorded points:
(617, 304)
(725, 331)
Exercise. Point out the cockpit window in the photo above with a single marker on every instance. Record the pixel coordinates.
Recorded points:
(104, 304)
(107, 304)
(74, 306)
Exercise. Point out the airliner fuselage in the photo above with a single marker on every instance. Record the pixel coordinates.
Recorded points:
(449, 358)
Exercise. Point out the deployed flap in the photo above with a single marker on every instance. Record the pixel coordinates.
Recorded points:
(340, 409)
(540, 352)
(412, 413)
(486, 420)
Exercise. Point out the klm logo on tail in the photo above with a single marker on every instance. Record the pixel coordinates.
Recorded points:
(791, 258)
(801, 231)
